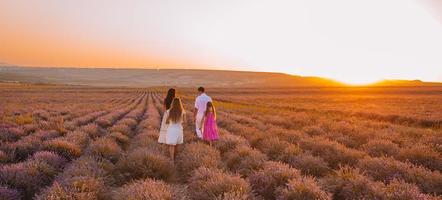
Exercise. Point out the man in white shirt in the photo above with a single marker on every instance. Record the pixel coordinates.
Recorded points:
(200, 109)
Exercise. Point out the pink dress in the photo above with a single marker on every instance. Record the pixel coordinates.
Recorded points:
(210, 131)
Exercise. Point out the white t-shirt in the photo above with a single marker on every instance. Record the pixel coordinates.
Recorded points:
(201, 102)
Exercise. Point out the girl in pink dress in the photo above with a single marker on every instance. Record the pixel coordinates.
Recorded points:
(210, 130)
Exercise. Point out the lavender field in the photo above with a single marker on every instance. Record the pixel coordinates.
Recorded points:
(73, 142)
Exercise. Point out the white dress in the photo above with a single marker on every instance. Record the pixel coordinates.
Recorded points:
(163, 129)
(174, 134)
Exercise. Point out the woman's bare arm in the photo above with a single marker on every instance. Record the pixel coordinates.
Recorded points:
(184, 117)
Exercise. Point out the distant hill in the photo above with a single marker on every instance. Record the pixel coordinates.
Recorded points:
(154, 77)
(171, 77)
(402, 83)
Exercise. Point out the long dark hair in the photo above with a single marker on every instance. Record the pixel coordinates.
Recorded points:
(176, 111)
(210, 105)
(169, 98)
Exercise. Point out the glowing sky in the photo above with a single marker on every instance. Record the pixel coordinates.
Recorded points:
(355, 41)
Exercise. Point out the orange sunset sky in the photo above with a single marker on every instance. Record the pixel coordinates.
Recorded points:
(354, 41)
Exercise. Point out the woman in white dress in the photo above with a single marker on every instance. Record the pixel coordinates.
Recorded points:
(166, 106)
(175, 119)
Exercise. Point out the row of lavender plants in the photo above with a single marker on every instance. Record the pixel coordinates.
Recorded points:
(324, 158)
(90, 176)
(30, 176)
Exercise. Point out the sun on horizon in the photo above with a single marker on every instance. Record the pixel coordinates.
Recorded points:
(355, 42)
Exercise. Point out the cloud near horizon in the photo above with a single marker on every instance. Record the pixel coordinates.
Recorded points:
(354, 41)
